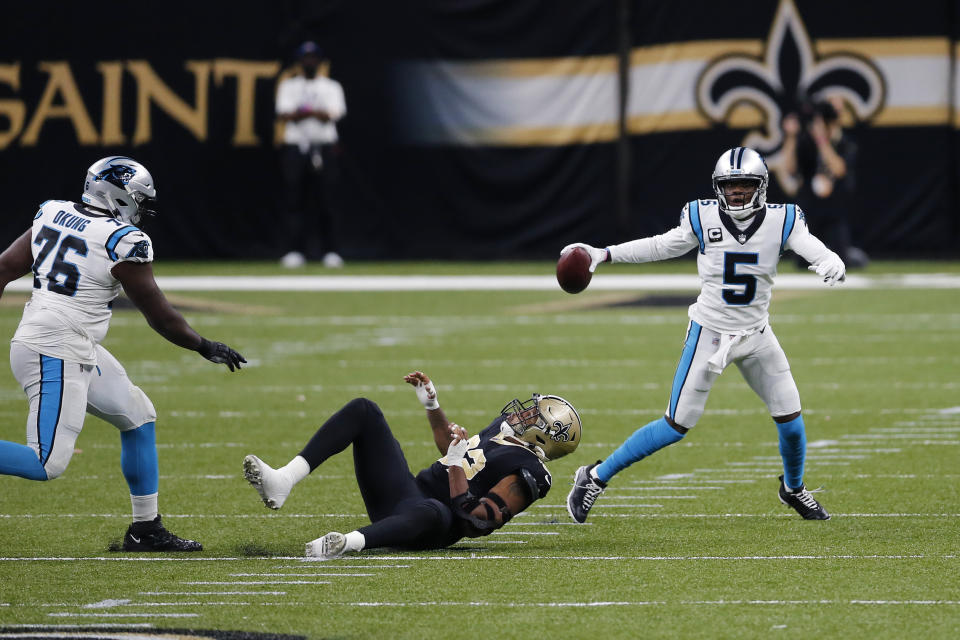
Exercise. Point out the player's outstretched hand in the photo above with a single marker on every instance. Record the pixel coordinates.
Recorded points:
(426, 392)
(220, 353)
(831, 269)
(596, 255)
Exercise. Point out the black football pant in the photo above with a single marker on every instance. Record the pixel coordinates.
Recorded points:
(402, 515)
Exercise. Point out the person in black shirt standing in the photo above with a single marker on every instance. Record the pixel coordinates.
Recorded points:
(475, 488)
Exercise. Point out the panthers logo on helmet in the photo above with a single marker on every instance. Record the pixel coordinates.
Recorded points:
(140, 250)
(118, 175)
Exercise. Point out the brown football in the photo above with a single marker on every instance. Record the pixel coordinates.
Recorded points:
(573, 270)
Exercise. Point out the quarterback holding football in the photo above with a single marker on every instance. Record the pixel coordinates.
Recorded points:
(739, 238)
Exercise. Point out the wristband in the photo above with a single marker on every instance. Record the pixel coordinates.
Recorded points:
(427, 395)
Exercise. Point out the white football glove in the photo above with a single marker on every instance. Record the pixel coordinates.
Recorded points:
(831, 269)
(456, 452)
(427, 395)
(596, 255)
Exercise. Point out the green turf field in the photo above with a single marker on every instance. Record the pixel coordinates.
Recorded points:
(690, 543)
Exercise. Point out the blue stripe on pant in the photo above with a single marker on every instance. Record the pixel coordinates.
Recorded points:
(51, 402)
(683, 368)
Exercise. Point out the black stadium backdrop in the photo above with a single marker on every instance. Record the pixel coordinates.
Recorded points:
(480, 129)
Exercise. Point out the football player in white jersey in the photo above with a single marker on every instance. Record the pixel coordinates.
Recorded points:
(81, 255)
(739, 239)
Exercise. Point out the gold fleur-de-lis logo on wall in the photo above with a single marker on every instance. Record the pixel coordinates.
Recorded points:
(786, 76)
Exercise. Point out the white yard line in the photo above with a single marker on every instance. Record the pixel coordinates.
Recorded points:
(213, 593)
(152, 614)
(601, 282)
(643, 603)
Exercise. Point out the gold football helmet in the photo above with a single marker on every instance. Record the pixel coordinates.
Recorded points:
(548, 423)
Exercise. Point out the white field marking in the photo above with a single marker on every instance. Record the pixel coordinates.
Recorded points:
(526, 533)
(300, 575)
(752, 463)
(688, 477)
(643, 603)
(255, 582)
(543, 524)
(910, 476)
(908, 427)
(662, 488)
(559, 605)
(602, 506)
(128, 625)
(861, 450)
(605, 506)
(513, 558)
(106, 604)
(213, 593)
(152, 614)
(890, 436)
(349, 566)
(817, 456)
(219, 516)
(604, 282)
(647, 497)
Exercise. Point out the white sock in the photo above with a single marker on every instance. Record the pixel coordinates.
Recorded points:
(297, 469)
(355, 541)
(593, 473)
(145, 508)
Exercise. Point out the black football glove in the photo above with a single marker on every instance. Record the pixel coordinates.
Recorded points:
(220, 353)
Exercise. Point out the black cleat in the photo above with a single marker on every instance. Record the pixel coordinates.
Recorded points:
(586, 490)
(802, 502)
(153, 536)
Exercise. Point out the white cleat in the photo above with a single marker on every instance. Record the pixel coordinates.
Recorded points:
(328, 547)
(273, 486)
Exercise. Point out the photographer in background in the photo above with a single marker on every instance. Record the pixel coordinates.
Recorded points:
(822, 156)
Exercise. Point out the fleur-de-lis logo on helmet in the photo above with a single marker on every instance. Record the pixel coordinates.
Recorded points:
(788, 75)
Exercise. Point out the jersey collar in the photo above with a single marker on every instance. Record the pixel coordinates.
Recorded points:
(742, 235)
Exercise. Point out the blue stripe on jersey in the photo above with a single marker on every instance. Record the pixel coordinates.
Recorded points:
(51, 401)
(683, 368)
(114, 240)
(788, 221)
(695, 222)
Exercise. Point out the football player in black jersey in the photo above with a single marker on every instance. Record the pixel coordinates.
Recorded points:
(475, 488)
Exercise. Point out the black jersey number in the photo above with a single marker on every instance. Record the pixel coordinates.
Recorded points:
(63, 277)
(747, 281)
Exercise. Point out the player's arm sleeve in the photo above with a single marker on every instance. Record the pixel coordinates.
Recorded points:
(672, 244)
(803, 243)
